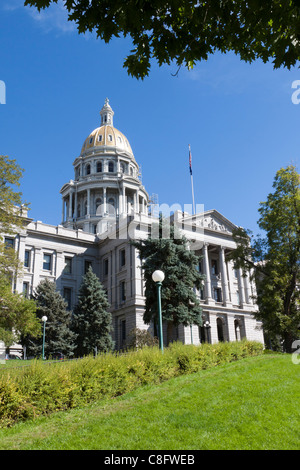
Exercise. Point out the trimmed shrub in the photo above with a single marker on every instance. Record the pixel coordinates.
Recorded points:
(43, 388)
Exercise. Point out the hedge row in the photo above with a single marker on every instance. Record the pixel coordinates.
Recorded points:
(41, 388)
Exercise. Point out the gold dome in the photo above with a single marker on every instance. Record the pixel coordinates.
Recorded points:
(107, 135)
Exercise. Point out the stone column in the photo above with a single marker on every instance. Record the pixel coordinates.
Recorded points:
(75, 205)
(241, 288)
(104, 200)
(247, 289)
(124, 210)
(88, 199)
(63, 210)
(224, 278)
(70, 205)
(207, 274)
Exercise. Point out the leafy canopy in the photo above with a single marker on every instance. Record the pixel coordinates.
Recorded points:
(11, 220)
(185, 31)
(275, 258)
(17, 316)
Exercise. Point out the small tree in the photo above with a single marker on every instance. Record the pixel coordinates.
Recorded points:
(11, 207)
(17, 316)
(59, 339)
(92, 322)
(171, 255)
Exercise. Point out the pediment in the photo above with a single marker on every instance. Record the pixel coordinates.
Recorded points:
(211, 220)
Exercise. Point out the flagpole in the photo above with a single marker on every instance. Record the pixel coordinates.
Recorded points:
(192, 183)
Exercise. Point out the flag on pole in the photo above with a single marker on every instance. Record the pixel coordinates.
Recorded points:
(190, 160)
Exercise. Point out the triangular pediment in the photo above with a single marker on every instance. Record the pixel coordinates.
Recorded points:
(210, 220)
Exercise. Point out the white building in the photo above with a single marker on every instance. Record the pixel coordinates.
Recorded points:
(105, 205)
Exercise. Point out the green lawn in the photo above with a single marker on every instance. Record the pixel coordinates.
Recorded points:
(249, 404)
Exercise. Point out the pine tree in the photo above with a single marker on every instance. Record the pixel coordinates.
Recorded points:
(59, 339)
(171, 255)
(92, 322)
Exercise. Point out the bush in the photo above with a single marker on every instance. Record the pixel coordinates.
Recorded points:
(41, 388)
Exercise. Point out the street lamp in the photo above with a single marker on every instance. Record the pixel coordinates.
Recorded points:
(158, 277)
(207, 326)
(44, 319)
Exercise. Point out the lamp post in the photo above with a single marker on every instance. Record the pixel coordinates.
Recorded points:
(44, 319)
(158, 277)
(207, 326)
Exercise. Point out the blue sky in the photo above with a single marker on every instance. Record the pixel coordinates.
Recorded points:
(238, 118)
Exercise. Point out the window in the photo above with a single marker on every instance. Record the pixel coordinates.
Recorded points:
(98, 204)
(201, 293)
(214, 267)
(122, 291)
(88, 169)
(26, 289)
(9, 242)
(122, 168)
(217, 294)
(123, 330)
(99, 167)
(87, 266)
(111, 206)
(27, 259)
(67, 295)
(111, 167)
(91, 140)
(122, 258)
(99, 138)
(47, 262)
(110, 137)
(105, 267)
(68, 266)
(220, 330)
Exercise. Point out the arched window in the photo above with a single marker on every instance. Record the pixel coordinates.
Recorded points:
(220, 330)
(99, 167)
(88, 169)
(111, 206)
(237, 330)
(98, 204)
(111, 167)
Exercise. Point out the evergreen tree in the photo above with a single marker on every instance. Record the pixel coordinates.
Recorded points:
(59, 339)
(92, 322)
(168, 251)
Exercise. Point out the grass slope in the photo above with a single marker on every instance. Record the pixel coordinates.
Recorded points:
(249, 404)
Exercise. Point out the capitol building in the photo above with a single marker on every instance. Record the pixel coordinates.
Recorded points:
(103, 207)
